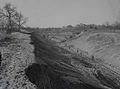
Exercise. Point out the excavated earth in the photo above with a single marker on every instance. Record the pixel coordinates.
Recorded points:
(58, 68)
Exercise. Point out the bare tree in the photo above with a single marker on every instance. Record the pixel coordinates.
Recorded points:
(20, 20)
(8, 12)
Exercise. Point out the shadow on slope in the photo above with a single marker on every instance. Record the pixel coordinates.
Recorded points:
(46, 78)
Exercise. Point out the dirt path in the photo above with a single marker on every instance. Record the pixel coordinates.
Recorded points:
(17, 56)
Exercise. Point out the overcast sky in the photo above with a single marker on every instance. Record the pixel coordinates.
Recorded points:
(55, 13)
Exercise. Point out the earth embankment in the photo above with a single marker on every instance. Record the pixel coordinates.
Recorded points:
(61, 69)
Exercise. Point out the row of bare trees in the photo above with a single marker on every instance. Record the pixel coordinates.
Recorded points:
(10, 18)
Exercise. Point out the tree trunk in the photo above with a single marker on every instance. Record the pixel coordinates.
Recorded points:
(9, 30)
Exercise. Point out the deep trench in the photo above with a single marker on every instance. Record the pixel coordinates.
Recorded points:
(45, 77)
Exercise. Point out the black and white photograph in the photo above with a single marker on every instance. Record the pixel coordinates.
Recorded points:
(59, 44)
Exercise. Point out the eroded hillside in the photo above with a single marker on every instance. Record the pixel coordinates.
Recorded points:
(104, 45)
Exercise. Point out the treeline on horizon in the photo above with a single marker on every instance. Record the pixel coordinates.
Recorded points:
(11, 19)
(81, 27)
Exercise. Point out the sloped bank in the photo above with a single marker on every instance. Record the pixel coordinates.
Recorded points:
(55, 70)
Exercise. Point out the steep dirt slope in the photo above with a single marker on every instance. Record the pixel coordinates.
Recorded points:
(104, 45)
